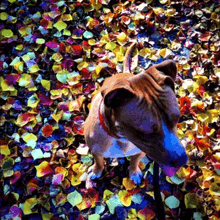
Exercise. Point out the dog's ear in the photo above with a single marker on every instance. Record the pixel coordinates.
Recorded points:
(164, 73)
(168, 67)
(117, 97)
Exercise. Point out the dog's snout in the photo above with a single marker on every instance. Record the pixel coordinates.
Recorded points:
(174, 163)
(176, 152)
(178, 160)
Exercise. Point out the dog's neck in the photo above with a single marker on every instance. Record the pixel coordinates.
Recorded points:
(106, 119)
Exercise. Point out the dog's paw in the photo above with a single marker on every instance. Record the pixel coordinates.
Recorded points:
(136, 176)
(94, 173)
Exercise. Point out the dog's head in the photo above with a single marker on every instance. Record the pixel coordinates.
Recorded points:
(145, 111)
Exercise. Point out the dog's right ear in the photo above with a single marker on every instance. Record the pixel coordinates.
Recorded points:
(117, 97)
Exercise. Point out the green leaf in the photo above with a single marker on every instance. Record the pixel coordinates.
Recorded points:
(99, 209)
(62, 77)
(172, 202)
(191, 201)
(175, 179)
(94, 217)
(137, 198)
(113, 202)
(74, 198)
(87, 34)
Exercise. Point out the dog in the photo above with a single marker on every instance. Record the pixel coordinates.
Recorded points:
(136, 115)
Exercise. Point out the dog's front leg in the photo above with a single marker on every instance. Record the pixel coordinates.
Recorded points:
(95, 171)
(135, 173)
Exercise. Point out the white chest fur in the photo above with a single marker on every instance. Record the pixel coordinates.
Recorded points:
(121, 148)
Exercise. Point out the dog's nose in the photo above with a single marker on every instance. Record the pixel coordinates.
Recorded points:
(179, 161)
(174, 163)
(175, 150)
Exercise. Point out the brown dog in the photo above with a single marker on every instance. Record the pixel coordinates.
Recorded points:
(133, 115)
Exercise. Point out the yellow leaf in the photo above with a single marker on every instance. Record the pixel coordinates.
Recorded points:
(33, 101)
(43, 169)
(110, 46)
(3, 16)
(186, 66)
(45, 84)
(213, 115)
(107, 195)
(29, 136)
(118, 51)
(125, 197)
(56, 92)
(170, 12)
(128, 184)
(158, 10)
(28, 207)
(165, 52)
(145, 52)
(5, 150)
(66, 32)
(57, 68)
(191, 201)
(19, 66)
(35, 68)
(57, 116)
(19, 47)
(60, 25)
(132, 214)
(183, 172)
(24, 31)
(82, 65)
(98, 69)
(92, 42)
(214, 189)
(207, 174)
(7, 33)
(67, 17)
(122, 38)
(5, 87)
(46, 216)
(104, 39)
(12, 1)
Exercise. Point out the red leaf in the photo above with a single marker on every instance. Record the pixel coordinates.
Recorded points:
(62, 47)
(52, 44)
(185, 105)
(85, 73)
(202, 144)
(11, 79)
(45, 100)
(201, 90)
(68, 63)
(16, 176)
(44, 23)
(47, 130)
(77, 50)
(146, 214)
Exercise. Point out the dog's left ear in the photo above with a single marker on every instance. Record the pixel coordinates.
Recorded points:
(168, 67)
(164, 72)
(117, 97)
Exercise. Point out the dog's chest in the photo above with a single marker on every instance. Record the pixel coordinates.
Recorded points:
(121, 148)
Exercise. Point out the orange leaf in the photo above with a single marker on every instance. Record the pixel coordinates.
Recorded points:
(146, 214)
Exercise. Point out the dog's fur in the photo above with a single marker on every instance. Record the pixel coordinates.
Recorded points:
(141, 113)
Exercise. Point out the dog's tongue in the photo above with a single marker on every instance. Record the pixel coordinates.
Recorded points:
(168, 171)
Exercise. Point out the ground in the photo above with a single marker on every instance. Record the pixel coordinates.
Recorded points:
(54, 56)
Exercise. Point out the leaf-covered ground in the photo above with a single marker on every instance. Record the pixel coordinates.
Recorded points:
(54, 55)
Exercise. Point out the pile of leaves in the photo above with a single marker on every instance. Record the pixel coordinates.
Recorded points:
(54, 55)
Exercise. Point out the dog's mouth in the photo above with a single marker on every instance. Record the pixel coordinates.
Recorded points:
(168, 170)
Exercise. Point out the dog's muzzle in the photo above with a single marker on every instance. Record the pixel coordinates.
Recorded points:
(176, 152)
